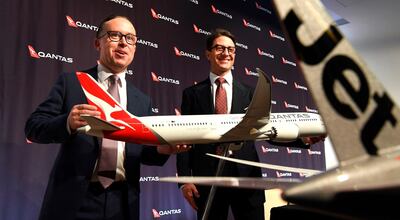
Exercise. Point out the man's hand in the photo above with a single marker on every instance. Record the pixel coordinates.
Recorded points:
(74, 118)
(167, 149)
(189, 190)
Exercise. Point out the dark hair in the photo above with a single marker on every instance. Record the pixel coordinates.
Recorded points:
(109, 18)
(218, 33)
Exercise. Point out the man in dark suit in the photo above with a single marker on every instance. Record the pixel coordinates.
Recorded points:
(200, 99)
(74, 190)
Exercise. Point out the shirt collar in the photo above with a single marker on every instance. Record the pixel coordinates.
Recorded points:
(228, 77)
(103, 73)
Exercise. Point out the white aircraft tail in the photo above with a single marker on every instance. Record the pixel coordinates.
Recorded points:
(361, 118)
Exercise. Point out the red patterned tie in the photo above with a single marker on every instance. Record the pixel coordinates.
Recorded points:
(109, 150)
(220, 105)
(220, 97)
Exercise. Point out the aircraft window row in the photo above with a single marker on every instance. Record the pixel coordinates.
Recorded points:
(311, 119)
(229, 122)
(179, 124)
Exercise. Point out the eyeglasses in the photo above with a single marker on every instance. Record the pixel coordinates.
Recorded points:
(116, 36)
(221, 49)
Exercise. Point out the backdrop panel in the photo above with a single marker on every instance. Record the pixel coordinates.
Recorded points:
(42, 38)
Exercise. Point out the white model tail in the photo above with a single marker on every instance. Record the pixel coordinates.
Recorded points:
(361, 118)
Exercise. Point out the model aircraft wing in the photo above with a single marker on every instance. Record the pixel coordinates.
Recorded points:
(237, 182)
(306, 172)
(258, 112)
(99, 124)
(360, 117)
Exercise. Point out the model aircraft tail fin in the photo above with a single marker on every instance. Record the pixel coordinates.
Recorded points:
(109, 108)
(361, 118)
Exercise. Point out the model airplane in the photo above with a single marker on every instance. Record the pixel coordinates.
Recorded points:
(256, 124)
(361, 119)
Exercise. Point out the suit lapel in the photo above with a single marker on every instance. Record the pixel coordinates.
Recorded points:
(238, 98)
(131, 97)
(203, 94)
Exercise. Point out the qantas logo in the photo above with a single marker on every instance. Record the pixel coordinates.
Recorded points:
(311, 110)
(298, 86)
(285, 61)
(155, 213)
(244, 46)
(76, 24)
(268, 150)
(311, 152)
(273, 35)
(157, 16)
(290, 116)
(303, 175)
(258, 6)
(52, 56)
(283, 174)
(287, 105)
(32, 52)
(155, 110)
(200, 31)
(262, 53)
(250, 73)
(185, 54)
(123, 3)
(147, 43)
(149, 179)
(248, 24)
(163, 79)
(293, 151)
(277, 80)
(158, 214)
(216, 11)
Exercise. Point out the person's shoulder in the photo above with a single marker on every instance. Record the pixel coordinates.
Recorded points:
(132, 89)
(198, 85)
(242, 85)
(92, 71)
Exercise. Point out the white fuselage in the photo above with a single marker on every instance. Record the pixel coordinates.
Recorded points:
(195, 129)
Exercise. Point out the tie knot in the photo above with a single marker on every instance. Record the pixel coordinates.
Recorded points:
(113, 79)
(220, 81)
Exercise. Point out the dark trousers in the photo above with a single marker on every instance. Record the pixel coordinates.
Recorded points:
(245, 204)
(107, 204)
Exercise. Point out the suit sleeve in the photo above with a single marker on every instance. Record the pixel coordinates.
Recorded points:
(183, 164)
(48, 123)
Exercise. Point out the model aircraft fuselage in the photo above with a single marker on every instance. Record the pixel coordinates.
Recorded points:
(200, 129)
(256, 124)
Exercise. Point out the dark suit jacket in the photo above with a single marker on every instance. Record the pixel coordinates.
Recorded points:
(198, 99)
(74, 165)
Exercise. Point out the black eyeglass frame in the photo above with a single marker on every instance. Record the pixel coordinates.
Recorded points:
(221, 49)
(120, 35)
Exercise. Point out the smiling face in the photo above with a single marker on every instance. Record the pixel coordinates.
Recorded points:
(221, 62)
(116, 56)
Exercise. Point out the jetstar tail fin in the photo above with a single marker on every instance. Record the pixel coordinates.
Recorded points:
(361, 118)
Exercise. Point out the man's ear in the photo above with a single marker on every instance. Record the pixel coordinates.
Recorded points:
(207, 53)
(97, 44)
